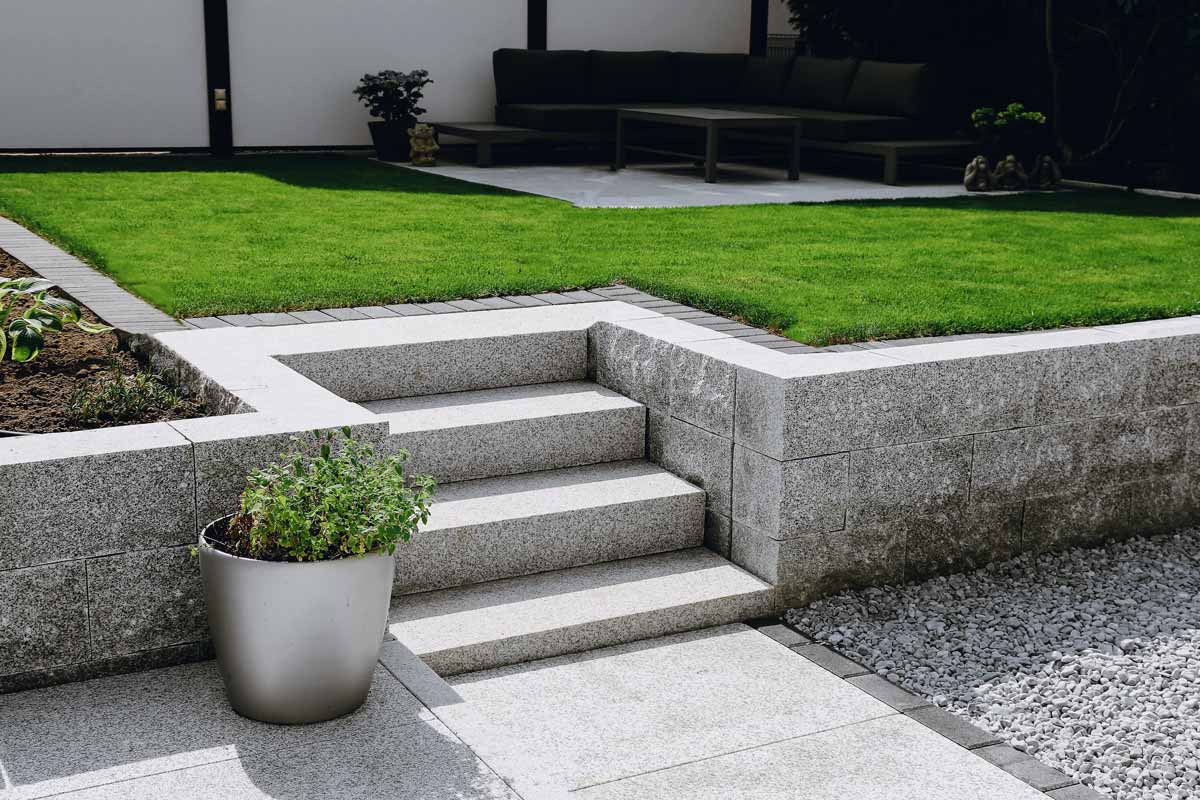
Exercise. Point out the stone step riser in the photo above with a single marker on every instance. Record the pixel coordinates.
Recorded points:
(604, 633)
(470, 554)
(517, 620)
(457, 365)
(513, 447)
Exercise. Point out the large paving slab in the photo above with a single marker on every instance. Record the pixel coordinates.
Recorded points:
(676, 186)
(98, 732)
(720, 714)
(893, 758)
(423, 760)
(577, 721)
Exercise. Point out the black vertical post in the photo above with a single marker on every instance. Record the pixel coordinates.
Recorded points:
(216, 55)
(760, 14)
(539, 13)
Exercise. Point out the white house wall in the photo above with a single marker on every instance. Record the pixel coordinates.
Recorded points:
(111, 74)
(778, 20)
(719, 26)
(294, 63)
(79, 74)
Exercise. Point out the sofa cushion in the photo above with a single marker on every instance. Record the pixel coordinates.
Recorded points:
(841, 126)
(541, 76)
(838, 126)
(880, 87)
(708, 77)
(763, 79)
(573, 117)
(632, 77)
(819, 82)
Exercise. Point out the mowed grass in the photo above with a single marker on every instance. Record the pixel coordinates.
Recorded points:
(197, 236)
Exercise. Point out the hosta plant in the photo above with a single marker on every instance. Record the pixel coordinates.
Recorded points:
(333, 499)
(23, 332)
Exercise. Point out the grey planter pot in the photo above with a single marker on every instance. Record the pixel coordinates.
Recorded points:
(296, 643)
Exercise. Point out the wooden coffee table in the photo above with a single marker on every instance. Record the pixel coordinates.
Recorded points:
(713, 121)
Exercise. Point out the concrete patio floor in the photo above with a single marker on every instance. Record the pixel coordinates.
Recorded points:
(682, 185)
(722, 713)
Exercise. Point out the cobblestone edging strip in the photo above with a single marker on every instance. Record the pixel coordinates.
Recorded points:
(987, 746)
(98, 292)
(625, 294)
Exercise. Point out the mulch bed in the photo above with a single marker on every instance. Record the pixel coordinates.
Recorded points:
(33, 395)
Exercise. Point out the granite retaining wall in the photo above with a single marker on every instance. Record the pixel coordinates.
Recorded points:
(823, 471)
(832, 471)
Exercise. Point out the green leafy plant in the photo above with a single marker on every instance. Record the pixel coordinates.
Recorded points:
(1013, 130)
(340, 501)
(1014, 118)
(23, 337)
(117, 398)
(394, 96)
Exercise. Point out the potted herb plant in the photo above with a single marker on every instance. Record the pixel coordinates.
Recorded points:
(394, 98)
(299, 581)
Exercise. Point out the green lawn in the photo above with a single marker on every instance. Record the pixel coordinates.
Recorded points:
(198, 236)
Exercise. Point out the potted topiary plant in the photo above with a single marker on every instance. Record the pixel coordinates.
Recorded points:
(394, 98)
(1014, 130)
(298, 582)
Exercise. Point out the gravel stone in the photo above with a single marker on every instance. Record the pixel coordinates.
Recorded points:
(1087, 659)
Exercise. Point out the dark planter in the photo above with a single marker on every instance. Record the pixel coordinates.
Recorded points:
(391, 140)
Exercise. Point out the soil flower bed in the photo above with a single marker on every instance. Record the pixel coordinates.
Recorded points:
(36, 396)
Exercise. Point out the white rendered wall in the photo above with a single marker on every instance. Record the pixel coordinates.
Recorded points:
(719, 26)
(778, 19)
(295, 63)
(116, 73)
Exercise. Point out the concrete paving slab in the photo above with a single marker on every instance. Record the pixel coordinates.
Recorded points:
(86, 734)
(576, 721)
(423, 760)
(682, 186)
(883, 759)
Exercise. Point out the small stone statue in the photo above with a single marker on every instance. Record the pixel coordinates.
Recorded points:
(423, 145)
(1010, 175)
(978, 177)
(1046, 174)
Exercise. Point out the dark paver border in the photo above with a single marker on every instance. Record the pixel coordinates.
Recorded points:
(1042, 777)
(621, 292)
(101, 294)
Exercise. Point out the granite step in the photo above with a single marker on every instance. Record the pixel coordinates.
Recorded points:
(496, 528)
(443, 353)
(569, 611)
(494, 432)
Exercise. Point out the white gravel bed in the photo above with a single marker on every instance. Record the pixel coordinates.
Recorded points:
(1088, 659)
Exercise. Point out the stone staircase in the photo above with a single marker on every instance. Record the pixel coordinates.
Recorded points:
(551, 533)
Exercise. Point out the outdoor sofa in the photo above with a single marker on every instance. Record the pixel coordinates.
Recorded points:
(852, 105)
